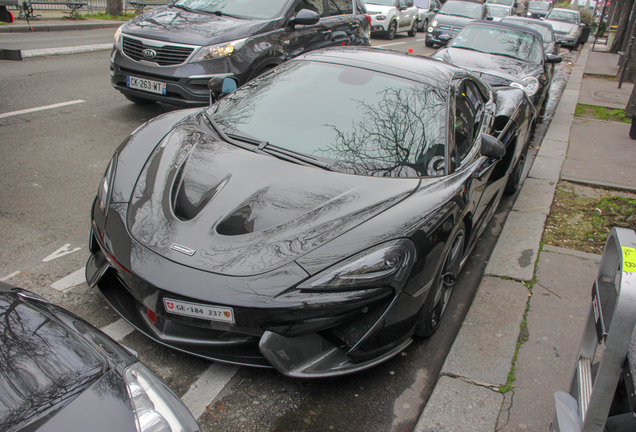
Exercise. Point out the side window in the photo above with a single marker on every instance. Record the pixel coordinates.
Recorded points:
(314, 5)
(408, 3)
(340, 7)
(468, 116)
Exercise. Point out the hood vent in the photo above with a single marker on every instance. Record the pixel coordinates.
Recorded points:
(183, 206)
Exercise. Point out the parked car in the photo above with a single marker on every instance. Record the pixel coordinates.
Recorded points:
(426, 10)
(537, 9)
(550, 45)
(389, 17)
(498, 12)
(59, 373)
(517, 7)
(170, 53)
(567, 26)
(451, 18)
(317, 238)
(503, 55)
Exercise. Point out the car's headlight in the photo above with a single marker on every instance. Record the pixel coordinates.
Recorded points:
(118, 37)
(529, 14)
(573, 32)
(219, 50)
(380, 17)
(388, 264)
(530, 86)
(434, 23)
(105, 186)
(155, 407)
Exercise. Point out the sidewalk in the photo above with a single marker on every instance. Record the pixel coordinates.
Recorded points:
(54, 21)
(536, 297)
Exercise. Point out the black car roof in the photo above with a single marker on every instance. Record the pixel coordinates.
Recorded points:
(423, 69)
(506, 25)
(527, 20)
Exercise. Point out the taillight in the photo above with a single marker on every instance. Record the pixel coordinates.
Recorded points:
(368, 18)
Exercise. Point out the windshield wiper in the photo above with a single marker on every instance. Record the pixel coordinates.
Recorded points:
(260, 146)
(469, 49)
(185, 8)
(221, 13)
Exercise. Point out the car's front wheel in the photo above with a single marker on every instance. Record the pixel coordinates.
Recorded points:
(429, 44)
(138, 101)
(440, 293)
(425, 26)
(390, 34)
(413, 30)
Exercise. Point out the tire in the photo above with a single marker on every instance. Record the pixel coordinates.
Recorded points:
(139, 101)
(437, 299)
(429, 44)
(425, 26)
(413, 30)
(515, 176)
(390, 33)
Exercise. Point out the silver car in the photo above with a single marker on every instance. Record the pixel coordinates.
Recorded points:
(426, 10)
(567, 26)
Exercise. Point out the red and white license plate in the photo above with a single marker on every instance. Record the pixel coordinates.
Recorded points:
(212, 313)
(146, 85)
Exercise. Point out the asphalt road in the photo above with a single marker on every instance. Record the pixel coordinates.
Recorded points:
(40, 40)
(51, 162)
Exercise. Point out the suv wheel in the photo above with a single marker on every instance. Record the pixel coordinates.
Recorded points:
(413, 30)
(429, 44)
(390, 34)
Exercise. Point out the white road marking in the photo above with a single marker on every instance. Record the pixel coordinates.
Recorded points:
(42, 108)
(66, 50)
(6, 278)
(391, 44)
(64, 250)
(118, 330)
(71, 280)
(207, 387)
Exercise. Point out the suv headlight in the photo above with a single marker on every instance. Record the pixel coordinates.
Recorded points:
(388, 264)
(573, 32)
(434, 23)
(219, 50)
(155, 407)
(530, 86)
(118, 38)
(105, 186)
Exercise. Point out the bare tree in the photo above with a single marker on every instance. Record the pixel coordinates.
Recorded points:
(624, 10)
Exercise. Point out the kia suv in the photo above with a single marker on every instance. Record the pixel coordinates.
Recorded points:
(170, 53)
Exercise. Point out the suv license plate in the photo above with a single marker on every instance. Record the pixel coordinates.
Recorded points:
(212, 313)
(146, 85)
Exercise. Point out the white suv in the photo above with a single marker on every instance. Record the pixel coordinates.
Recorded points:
(389, 17)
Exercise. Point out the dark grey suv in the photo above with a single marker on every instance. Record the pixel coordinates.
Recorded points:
(170, 53)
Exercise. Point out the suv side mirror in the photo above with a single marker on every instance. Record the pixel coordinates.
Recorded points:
(435, 10)
(553, 58)
(221, 85)
(492, 147)
(305, 17)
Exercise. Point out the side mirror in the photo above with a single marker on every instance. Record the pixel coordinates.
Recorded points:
(583, 25)
(492, 147)
(435, 10)
(221, 85)
(305, 17)
(489, 18)
(553, 58)
(403, 8)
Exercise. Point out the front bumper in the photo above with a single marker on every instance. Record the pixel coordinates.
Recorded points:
(379, 26)
(302, 335)
(433, 36)
(566, 40)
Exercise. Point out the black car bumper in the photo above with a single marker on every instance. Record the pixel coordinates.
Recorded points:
(305, 334)
(433, 37)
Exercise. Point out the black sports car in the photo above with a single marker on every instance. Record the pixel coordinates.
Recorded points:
(503, 55)
(59, 373)
(314, 220)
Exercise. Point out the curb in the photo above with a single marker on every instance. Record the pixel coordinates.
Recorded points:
(38, 27)
(517, 248)
(66, 50)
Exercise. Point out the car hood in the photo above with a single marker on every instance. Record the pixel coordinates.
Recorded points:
(538, 12)
(217, 207)
(560, 26)
(474, 60)
(452, 20)
(374, 9)
(172, 24)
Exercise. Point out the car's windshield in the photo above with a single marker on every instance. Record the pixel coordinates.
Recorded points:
(462, 9)
(502, 2)
(543, 29)
(421, 4)
(382, 2)
(498, 11)
(359, 121)
(568, 17)
(539, 5)
(500, 41)
(255, 9)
